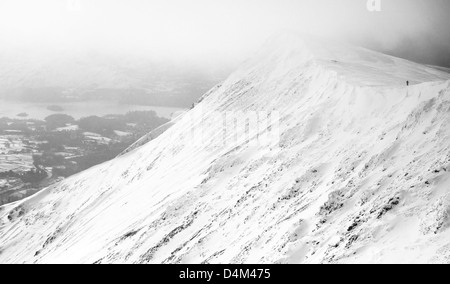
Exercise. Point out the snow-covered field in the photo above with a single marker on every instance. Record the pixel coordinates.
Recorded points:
(361, 173)
(11, 156)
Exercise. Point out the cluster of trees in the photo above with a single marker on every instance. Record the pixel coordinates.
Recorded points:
(47, 159)
(19, 124)
(101, 125)
(143, 120)
(31, 176)
(58, 120)
(146, 120)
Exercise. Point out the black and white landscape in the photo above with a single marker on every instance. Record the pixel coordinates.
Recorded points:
(319, 147)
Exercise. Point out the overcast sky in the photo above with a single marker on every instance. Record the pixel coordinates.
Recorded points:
(228, 30)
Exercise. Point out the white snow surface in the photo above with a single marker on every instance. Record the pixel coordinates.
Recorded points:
(361, 174)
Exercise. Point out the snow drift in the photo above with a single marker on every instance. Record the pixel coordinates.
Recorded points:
(360, 173)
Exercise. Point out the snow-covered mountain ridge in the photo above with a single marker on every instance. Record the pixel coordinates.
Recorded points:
(361, 173)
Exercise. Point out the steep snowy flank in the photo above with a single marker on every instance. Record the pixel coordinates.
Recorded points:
(360, 173)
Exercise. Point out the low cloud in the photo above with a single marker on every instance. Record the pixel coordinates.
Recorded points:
(222, 31)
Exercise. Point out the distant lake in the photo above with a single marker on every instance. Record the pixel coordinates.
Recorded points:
(77, 110)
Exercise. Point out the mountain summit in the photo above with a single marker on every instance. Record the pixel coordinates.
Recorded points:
(355, 167)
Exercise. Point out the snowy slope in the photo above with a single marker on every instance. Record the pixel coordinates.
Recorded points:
(360, 173)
